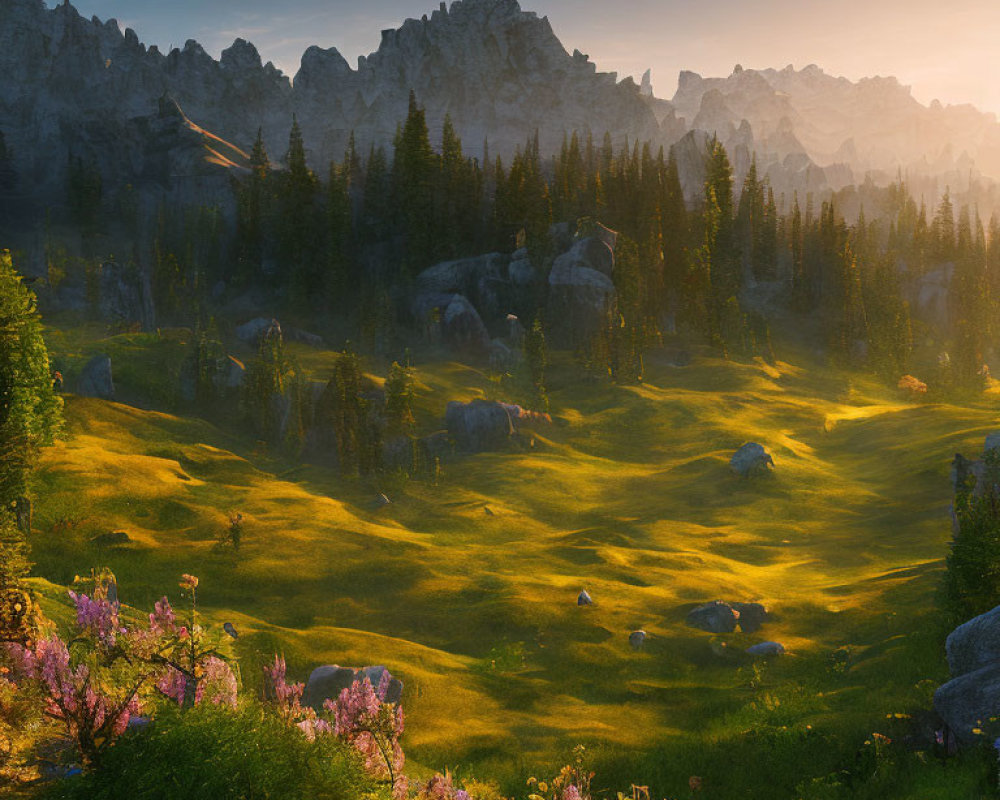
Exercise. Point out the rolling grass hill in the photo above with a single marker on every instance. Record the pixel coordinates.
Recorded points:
(466, 587)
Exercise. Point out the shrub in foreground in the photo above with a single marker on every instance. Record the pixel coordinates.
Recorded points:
(213, 752)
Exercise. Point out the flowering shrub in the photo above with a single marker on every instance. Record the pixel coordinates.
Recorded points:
(95, 682)
(359, 716)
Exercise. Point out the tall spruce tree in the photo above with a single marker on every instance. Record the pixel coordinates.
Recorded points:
(30, 411)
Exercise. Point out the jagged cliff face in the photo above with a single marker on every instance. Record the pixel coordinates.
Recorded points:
(75, 87)
(846, 130)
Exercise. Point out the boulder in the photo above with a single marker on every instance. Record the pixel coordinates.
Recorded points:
(479, 278)
(479, 426)
(311, 339)
(579, 296)
(502, 358)
(521, 272)
(751, 616)
(637, 639)
(250, 332)
(974, 644)
(965, 702)
(584, 599)
(714, 617)
(766, 650)
(992, 442)
(230, 375)
(750, 459)
(327, 682)
(110, 539)
(95, 379)
(462, 327)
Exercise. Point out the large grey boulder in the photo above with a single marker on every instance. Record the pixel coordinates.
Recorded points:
(751, 459)
(974, 644)
(95, 379)
(751, 616)
(969, 700)
(479, 426)
(580, 291)
(250, 332)
(714, 617)
(230, 375)
(328, 681)
(766, 650)
(480, 279)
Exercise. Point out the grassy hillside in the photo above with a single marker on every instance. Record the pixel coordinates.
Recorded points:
(627, 494)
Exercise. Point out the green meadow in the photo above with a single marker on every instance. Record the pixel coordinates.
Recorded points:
(465, 585)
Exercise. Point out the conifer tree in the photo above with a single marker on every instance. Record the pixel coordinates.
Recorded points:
(536, 360)
(30, 412)
(414, 168)
(399, 401)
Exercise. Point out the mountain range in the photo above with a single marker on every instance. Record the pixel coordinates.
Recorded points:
(77, 88)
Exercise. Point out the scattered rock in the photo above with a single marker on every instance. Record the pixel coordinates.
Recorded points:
(381, 501)
(751, 616)
(96, 380)
(750, 460)
(637, 639)
(328, 681)
(584, 599)
(766, 650)
(714, 617)
(992, 442)
(230, 629)
(110, 539)
(479, 426)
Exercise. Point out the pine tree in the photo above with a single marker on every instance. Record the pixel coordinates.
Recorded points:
(414, 168)
(536, 360)
(253, 207)
(399, 401)
(298, 227)
(30, 412)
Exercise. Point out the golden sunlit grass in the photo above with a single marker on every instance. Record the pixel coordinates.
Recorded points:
(627, 494)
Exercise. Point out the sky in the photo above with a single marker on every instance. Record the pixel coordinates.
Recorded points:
(944, 51)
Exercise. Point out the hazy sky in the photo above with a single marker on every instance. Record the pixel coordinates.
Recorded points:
(943, 50)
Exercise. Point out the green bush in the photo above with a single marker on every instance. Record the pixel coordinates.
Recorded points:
(215, 753)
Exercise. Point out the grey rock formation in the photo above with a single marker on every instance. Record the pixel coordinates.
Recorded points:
(968, 700)
(480, 279)
(714, 617)
(972, 696)
(479, 426)
(328, 681)
(584, 599)
(637, 639)
(96, 380)
(751, 616)
(766, 650)
(974, 644)
(231, 375)
(251, 331)
(580, 290)
(750, 460)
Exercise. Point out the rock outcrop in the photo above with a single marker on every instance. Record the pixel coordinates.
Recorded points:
(751, 459)
(479, 426)
(96, 380)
